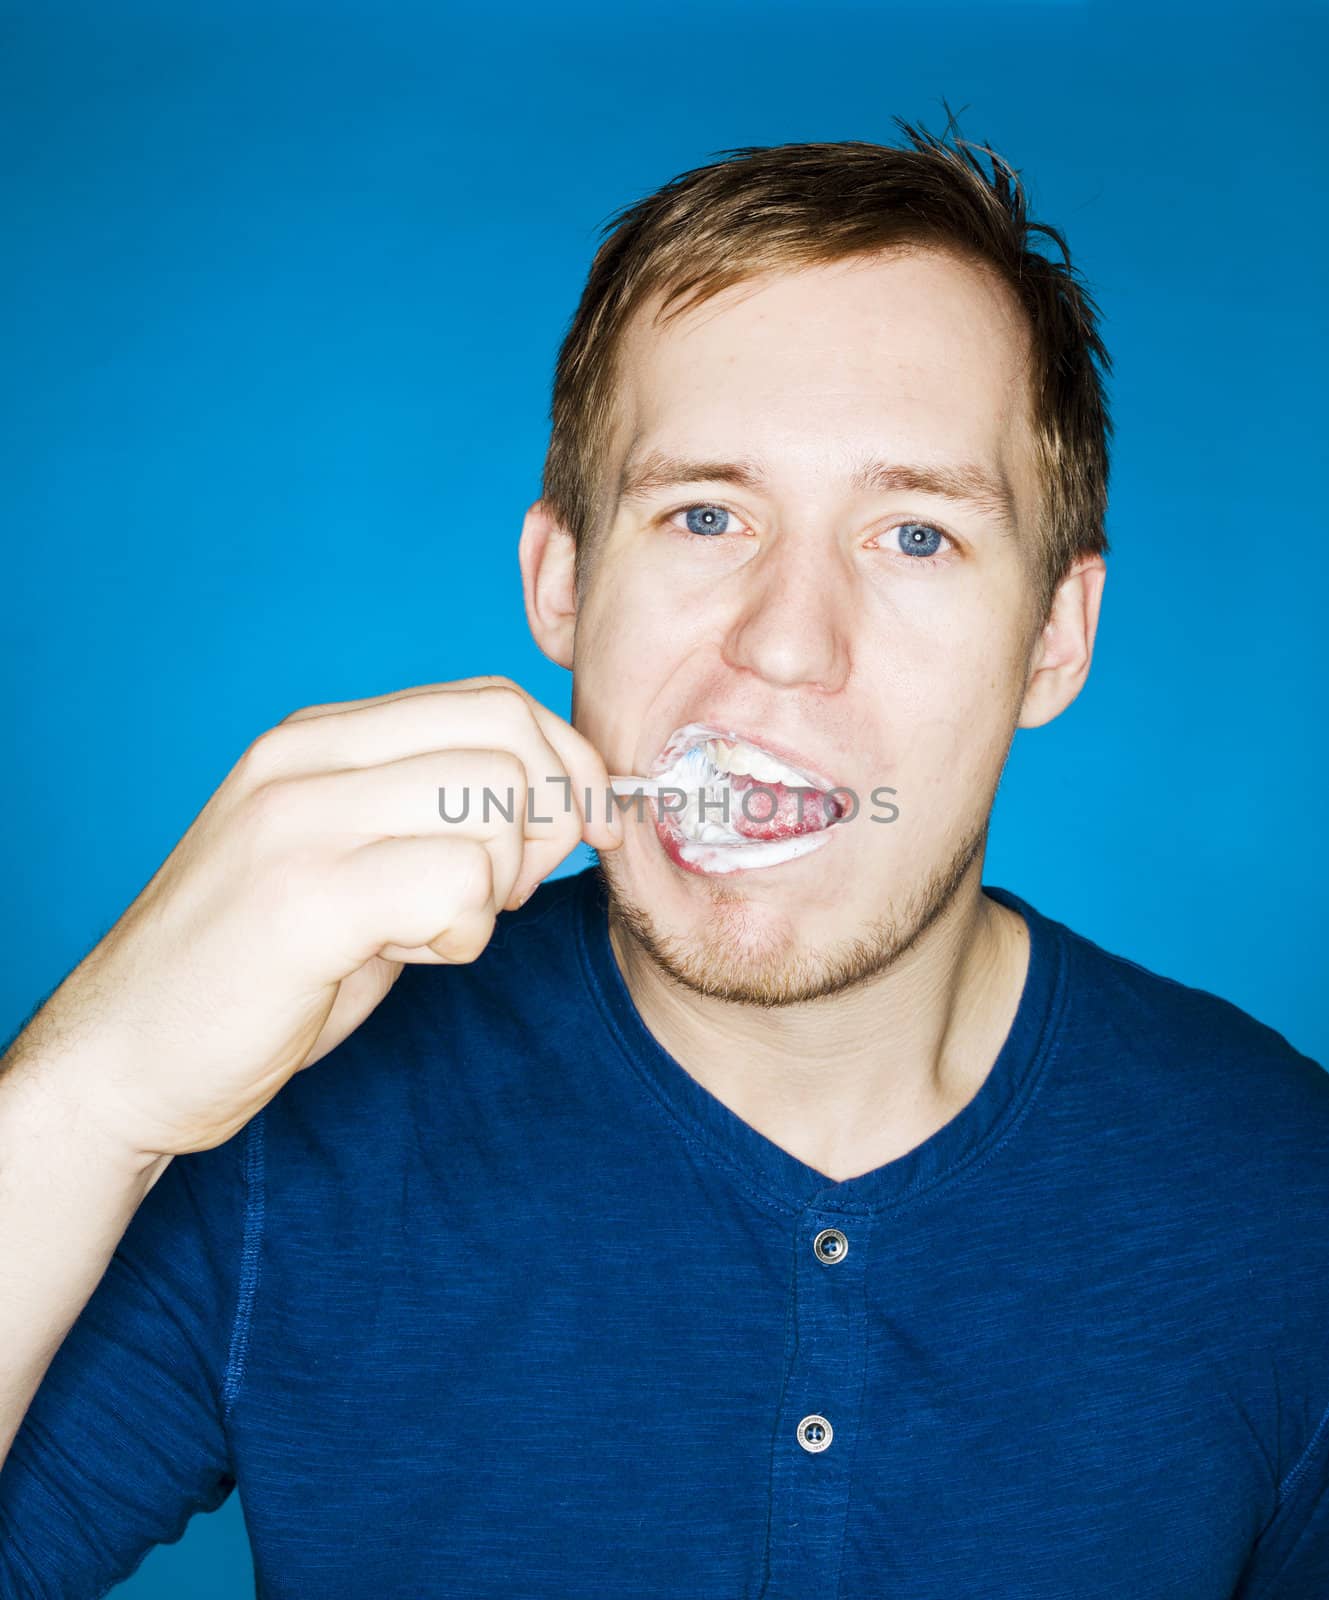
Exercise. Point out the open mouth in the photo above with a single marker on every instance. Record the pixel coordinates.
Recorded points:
(729, 805)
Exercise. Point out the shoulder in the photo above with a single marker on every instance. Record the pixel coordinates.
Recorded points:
(1156, 1015)
(1193, 1067)
(1217, 1160)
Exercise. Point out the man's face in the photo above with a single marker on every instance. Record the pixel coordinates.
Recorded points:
(873, 636)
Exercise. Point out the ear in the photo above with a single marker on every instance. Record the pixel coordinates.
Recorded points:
(1059, 662)
(546, 552)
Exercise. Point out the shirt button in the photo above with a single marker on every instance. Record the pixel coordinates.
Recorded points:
(830, 1245)
(814, 1433)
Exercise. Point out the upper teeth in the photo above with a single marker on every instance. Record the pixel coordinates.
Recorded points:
(698, 773)
(747, 760)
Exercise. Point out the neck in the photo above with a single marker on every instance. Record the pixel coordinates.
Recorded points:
(850, 1081)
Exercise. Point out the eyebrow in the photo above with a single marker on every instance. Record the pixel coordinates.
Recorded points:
(965, 482)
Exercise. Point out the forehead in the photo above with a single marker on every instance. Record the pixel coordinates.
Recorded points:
(912, 355)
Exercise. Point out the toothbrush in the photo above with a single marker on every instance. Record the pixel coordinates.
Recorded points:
(693, 764)
(622, 783)
(625, 784)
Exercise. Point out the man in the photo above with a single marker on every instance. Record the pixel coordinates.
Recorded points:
(772, 1210)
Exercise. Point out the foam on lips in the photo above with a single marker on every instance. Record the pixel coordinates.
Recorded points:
(744, 808)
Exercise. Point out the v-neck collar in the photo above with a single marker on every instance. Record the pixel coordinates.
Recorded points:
(990, 1116)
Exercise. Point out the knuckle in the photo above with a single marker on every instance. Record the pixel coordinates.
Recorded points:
(506, 768)
(570, 816)
(466, 942)
(505, 700)
(272, 808)
(454, 950)
(473, 875)
(266, 756)
(303, 713)
(567, 828)
(302, 903)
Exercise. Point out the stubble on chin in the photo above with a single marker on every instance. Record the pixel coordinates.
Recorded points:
(745, 957)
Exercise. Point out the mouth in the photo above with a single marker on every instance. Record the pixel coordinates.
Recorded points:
(730, 804)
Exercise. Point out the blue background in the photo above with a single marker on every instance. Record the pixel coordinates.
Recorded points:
(288, 289)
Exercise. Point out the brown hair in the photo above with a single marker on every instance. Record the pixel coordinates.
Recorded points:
(764, 208)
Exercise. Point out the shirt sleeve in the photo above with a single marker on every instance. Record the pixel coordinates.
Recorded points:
(1290, 1560)
(126, 1436)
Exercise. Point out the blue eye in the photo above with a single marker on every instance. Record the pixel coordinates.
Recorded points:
(707, 519)
(919, 538)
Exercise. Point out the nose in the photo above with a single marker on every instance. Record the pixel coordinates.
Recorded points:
(795, 616)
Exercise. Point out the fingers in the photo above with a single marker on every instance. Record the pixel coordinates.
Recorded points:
(602, 821)
(477, 763)
(471, 713)
(416, 899)
(478, 796)
(474, 794)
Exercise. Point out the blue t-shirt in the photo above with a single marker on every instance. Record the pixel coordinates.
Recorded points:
(498, 1301)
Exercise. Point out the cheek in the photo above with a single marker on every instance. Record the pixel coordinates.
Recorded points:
(956, 699)
(631, 635)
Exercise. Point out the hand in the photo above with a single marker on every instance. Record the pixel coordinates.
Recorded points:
(286, 912)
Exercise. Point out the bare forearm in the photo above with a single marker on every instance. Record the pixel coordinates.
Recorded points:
(67, 1194)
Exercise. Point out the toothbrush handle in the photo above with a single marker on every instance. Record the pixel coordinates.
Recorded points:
(622, 784)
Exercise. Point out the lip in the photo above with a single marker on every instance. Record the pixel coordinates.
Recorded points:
(698, 732)
(672, 840)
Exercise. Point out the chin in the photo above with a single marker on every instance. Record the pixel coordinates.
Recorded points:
(760, 891)
(734, 936)
(797, 931)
